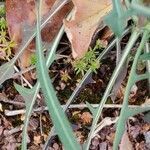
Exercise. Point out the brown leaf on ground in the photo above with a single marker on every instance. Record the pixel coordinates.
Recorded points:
(95, 143)
(9, 143)
(37, 139)
(19, 12)
(111, 137)
(56, 146)
(88, 15)
(86, 118)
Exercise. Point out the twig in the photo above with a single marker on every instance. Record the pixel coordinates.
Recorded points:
(80, 106)
(41, 129)
(14, 130)
(118, 50)
(6, 100)
(23, 71)
(105, 122)
(20, 73)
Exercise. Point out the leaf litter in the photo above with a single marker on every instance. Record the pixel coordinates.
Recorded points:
(138, 131)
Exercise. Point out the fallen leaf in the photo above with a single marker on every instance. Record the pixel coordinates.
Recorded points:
(10, 143)
(125, 142)
(1, 130)
(107, 121)
(111, 137)
(95, 142)
(20, 12)
(135, 131)
(22, 117)
(103, 145)
(37, 139)
(87, 17)
(80, 137)
(105, 36)
(86, 118)
(33, 124)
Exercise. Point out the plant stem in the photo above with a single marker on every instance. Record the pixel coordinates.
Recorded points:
(127, 50)
(131, 81)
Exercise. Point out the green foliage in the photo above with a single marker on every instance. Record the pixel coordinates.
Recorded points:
(6, 45)
(7, 70)
(2, 11)
(117, 18)
(126, 112)
(58, 117)
(88, 61)
(3, 24)
(33, 59)
(65, 76)
(134, 8)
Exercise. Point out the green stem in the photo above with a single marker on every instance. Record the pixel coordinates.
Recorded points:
(140, 9)
(127, 50)
(124, 111)
(117, 6)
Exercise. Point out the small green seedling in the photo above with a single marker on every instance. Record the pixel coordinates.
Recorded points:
(88, 61)
(6, 45)
(33, 59)
(2, 11)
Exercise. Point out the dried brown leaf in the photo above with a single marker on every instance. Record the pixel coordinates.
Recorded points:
(19, 12)
(86, 118)
(88, 15)
(37, 139)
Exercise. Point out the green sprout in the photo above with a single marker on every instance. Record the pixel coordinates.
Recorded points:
(33, 59)
(89, 60)
(6, 45)
(2, 11)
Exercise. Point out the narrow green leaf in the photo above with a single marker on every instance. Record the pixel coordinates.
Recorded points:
(116, 19)
(59, 119)
(132, 40)
(145, 56)
(140, 9)
(132, 79)
(29, 96)
(83, 82)
(135, 111)
(6, 71)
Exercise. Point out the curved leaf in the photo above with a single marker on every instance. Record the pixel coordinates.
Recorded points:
(58, 117)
